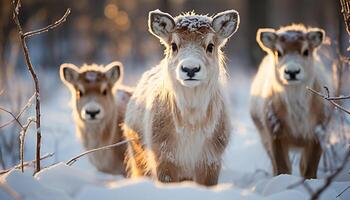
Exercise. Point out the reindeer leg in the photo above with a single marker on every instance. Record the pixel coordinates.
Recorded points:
(167, 172)
(280, 161)
(310, 158)
(208, 174)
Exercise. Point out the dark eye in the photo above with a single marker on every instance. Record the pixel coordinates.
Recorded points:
(104, 92)
(173, 47)
(306, 52)
(279, 53)
(210, 48)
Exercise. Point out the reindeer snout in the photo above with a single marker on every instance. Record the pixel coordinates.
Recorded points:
(292, 73)
(191, 71)
(93, 113)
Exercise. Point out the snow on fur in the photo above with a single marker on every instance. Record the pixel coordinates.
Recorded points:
(192, 22)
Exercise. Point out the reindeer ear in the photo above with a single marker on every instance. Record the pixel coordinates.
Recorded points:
(315, 37)
(225, 24)
(114, 72)
(69, 73)
(266, 38)
(160, 24)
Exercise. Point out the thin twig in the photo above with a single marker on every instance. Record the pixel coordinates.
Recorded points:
(21, 139)
(328, 99)
(331, 177)
(49, 27)
(338, 98)
(16, 118)
(74, 159)
(342, 192)
(23, 36)
(26, 163)
(13, 116)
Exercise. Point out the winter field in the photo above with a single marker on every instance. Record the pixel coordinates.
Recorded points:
(246, 173)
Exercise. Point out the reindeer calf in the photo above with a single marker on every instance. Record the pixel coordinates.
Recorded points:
(284, 112)
(99, 104)
(178, 112)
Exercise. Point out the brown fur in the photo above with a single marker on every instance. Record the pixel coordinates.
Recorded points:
(164, 143)
(273, 103)
(108, 130)
(181, 131)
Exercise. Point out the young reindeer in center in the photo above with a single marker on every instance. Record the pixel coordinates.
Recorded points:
(179, 112)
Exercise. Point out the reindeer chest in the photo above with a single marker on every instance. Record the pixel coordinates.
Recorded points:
(297, 117)
(190, 149)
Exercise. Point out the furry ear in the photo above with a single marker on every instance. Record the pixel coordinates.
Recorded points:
(114, 72)
(266, 38)
(160, 24)
(69, 73)
(225, 24)
(315, 37)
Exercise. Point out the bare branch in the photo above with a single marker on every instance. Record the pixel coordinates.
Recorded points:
(13, 116)
(331, 177)
(342, 192)
(49, 27)
(23, 36)
(27, 163)
(74, 159)
(16, 118)
(345, 5)
(328, 98)
(21, 139)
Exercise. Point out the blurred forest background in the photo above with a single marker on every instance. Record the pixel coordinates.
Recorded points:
(100, 31)
(104, 30)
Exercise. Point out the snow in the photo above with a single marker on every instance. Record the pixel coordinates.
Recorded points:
(64, 182)
(27, 186)
(246, 171)
(192, 22)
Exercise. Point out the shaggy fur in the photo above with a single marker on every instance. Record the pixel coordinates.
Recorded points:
(181, 129)
(285, 113)
(90, 85)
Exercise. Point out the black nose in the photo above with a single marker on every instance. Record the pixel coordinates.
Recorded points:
(190, 71)
(292, 73)
(92, 113)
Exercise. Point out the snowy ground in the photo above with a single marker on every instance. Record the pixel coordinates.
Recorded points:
(245, 174)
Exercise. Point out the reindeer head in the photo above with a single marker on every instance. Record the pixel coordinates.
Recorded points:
(193, 44)
(293, 50)
(92, 89)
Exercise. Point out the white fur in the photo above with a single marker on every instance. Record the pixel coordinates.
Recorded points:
(157, 20)
(195, 108)
(226, 23)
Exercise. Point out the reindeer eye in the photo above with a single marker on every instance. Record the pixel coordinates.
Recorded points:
(210, 47)
(173, 47)
(279, 53)
(104, 92)
(306, 52)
